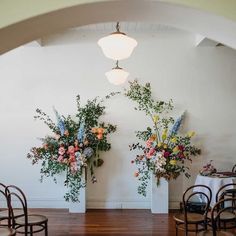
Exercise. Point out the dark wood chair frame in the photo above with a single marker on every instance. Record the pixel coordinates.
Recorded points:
(187, 196)
(234, 169)
(219, 209)
(4, 214)
(224, 193)
(5, 229)
(25, 226)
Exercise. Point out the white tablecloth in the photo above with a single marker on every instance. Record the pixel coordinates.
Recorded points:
(214, 183)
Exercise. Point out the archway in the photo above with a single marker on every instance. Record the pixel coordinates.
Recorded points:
(212, 26)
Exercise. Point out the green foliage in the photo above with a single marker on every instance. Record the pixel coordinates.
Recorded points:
(164, 151)
(75, 145)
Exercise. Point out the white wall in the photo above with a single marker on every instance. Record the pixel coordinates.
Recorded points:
(199, 80)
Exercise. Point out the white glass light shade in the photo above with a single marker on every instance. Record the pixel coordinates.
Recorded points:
(117, 76)
(117, 46)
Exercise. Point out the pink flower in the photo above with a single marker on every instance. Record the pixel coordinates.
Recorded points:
(166, 154)
(73, 167)
(71, 150)
(61, 151)
(72, 158)
(151, 153)
(181, 148)
(60, 159)
(149, 143)
(181, 155)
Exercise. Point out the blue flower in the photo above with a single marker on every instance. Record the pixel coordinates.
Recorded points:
(60, 122)
(176, 125)
(88, 152)
(80, 135)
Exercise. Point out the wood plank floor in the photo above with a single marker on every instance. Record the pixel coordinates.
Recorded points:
(108, 222)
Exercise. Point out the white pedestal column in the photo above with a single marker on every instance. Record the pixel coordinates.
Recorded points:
(79, 207)
(159, 196)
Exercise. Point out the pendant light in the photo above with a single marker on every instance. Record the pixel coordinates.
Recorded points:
(117, 45)
(117, 75)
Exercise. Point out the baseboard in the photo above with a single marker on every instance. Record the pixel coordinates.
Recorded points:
(60, 203)
(118, 205)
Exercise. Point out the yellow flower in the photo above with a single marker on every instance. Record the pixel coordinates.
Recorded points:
(159, 144)
(175, 149)
(155, 118)
(173, 140)
(163, 137)
(165, 146)
(164, 134)
(173, 162)
(191, 134)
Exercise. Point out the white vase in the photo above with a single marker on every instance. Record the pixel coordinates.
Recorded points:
(79, 207)
(159, 196)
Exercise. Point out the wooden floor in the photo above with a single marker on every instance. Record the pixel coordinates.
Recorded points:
(108, 222)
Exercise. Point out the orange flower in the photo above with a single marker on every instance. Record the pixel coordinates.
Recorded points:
(86, 142)
(153, 137)
(76, 143)
(94, 130)
(100, 130)
(66, 133)
(99, 136)
(136, 174)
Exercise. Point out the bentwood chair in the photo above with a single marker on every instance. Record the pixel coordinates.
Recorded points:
(5, 229)
(234, 169)
(220, 208)
(28, 223)
(193, 221)
(5, 216)
(227, 218)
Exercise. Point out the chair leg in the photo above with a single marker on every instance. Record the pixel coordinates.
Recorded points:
(31, 230)
(46, 229)
(26, 230)
(186, 230)
(176, 229)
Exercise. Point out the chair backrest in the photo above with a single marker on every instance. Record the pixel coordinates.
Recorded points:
(234, 168)
(223, 205)
(201, 192)
(4, 204)
(222, 191)
(16, 200)
(2, 191)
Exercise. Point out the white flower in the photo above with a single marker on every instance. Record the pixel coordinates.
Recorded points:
(160, 162)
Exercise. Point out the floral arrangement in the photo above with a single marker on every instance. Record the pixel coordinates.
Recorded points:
(164, 151)
(74, 146)
(208, 169)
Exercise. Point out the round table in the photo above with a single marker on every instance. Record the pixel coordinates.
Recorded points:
(214, 183)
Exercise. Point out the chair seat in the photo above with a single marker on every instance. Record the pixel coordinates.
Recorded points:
(232, 191)
(219, 233)
(32, 220)
(17, 213)
(192, 218)
(226, 215)
(4, 231)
